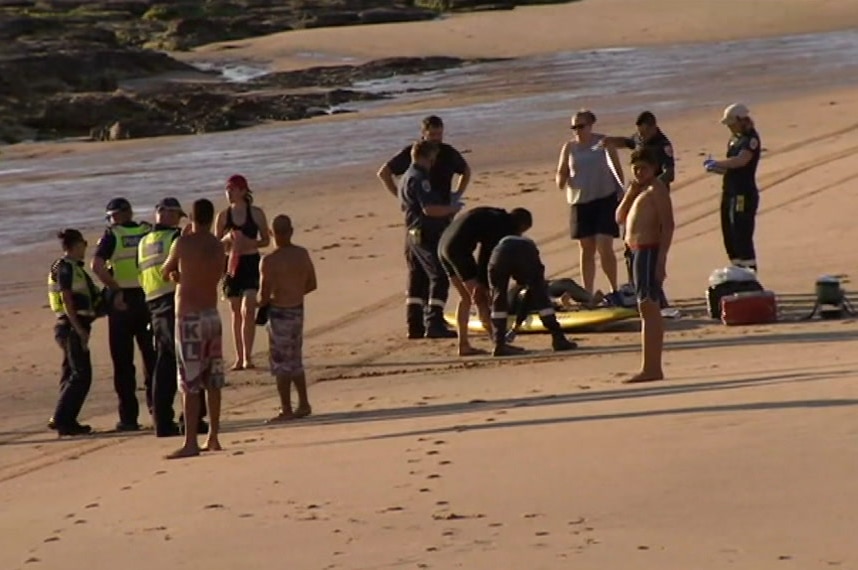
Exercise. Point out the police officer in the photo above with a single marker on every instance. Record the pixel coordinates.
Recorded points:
(648, 135)
(426, 215)
(76, 301)
(115, 264)
(152, 251)
(740, 197)
(517, 258)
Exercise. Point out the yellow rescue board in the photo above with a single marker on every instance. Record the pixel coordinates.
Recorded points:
(569, 321)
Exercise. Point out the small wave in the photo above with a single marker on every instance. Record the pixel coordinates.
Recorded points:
(232, 72)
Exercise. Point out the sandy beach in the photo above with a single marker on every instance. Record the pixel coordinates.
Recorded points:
(414, 458)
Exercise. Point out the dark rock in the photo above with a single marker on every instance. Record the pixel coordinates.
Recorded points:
(330, 20)
(388, 15)
(14, 28)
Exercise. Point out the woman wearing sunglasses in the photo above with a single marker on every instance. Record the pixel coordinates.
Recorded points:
(592, 177)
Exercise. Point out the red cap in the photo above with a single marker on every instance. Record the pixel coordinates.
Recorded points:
(238, 182)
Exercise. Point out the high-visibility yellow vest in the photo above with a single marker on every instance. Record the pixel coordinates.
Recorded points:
(123, 263)
(83, 290)
(152, 252)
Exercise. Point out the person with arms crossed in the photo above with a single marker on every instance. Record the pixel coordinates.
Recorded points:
(288, 276)
(152, 251)
(484, 227)
(244, 230)
(740, 197)
(517, 258)
(115, 265)
(195, 264)
(426, 215)
(76, 302)
(647, 212)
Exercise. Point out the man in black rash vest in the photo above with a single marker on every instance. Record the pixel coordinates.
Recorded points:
(517, 258)
(740, 196)
(484, 227)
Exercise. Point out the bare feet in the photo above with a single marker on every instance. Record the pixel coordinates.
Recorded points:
(183, 452)
(281, 417)
(303, 411)
(237, 366)
(470, 351)
(211, 445)
(644, 377)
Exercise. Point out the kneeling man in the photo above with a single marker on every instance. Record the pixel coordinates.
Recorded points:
(517, 258)
(287, 276)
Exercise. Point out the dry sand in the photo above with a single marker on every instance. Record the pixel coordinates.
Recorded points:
(743, 458)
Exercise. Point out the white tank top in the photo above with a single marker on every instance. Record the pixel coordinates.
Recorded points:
(590, 173)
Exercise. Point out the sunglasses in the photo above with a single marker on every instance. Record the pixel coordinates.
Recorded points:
(579, 127)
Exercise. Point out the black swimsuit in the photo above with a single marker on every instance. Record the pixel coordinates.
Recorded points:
(246, 278)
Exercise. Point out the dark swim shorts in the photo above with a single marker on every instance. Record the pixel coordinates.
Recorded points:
(246, 278)
(644, 268)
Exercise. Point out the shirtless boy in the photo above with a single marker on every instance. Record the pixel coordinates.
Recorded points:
(195, 263)
(287, 276)
(647, 212)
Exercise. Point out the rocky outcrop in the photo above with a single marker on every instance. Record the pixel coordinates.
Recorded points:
(62, 63)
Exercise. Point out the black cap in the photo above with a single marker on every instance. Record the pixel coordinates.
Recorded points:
(645, 118)
(117, 205)
(170, 204)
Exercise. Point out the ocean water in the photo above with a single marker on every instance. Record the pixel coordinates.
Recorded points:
(39, 196)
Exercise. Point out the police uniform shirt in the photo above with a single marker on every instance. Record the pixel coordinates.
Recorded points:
(660, 144)
(415, 193)
(106, 246)
(744, 179)
(62, 272)
(448, 163)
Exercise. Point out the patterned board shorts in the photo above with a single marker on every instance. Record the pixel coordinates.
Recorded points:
(285, 340)
(199, 351)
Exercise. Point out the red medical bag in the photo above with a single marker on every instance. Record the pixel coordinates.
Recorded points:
(751, 308)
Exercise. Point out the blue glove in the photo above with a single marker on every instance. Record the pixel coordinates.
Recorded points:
(709, 164)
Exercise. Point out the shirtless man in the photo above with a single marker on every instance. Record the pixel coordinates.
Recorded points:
(287, 276)
(195, 263)
(647, 212)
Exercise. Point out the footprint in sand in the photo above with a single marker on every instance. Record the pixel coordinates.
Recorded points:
(439, 442)
(433, 476)
(32, 560)
(52, 539)
(433, 452)
(91, 506)
(444, 462)
(80, 521)
(416, 460)
(425, 490)
(214, 506)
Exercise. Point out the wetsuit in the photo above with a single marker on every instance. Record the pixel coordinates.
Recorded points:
(740, 200)
(118, 248)
(428, 285)
(517, 258)
(245, 279)
(484, 227)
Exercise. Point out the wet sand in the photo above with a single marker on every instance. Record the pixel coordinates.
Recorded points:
(416, 458)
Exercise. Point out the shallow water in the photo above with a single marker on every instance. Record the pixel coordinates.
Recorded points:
(38, 196)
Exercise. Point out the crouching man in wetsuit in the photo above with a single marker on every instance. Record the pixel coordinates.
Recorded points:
(484, 226)
(517, 258)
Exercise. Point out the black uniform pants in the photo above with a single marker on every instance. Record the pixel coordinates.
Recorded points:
(126, 327)
(428, 284)
(738, 219)
(162, 312)
(76, 372)
(519, 260)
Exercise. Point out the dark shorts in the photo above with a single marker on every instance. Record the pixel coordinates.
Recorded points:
(458, 263)
(246, 278)
(594, 218)
(644, 267)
